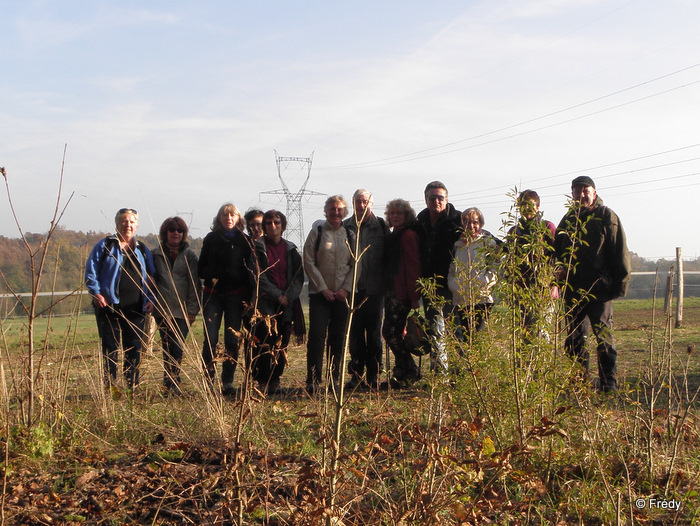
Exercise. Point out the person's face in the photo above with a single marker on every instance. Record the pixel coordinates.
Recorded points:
(584, 195)
(175, 235)
(397, 217)
(471, 224)
(529, 209)
(228, 220)
(273, 228)
(335, 212)
(363, 207)
(255, 227)
(436, 200)
(126, 227)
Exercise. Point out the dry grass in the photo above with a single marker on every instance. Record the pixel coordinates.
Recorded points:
(436, 454)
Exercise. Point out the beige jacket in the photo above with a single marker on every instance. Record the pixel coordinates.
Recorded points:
(329, 267)
(470, 278)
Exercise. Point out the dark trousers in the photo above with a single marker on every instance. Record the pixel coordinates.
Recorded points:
(366, 337)
(173, 333)
(395, 316)
(598, 316)
(124, 327)
(327, 321)
(228, 307)
(471, 319)
(268, 355)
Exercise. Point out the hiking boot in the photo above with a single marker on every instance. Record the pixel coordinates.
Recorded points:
(372, 384)
(353, 384)
(406, 375)
(273, 387)
(228, 390)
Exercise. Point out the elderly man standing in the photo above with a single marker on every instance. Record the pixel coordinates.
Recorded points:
(591, 245)
(366, 329)
(442, 225)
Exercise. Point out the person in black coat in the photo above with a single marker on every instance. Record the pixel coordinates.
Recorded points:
(223, 267)
(442, 225)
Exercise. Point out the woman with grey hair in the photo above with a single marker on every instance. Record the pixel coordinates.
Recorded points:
(472, 276)
(328, 265)
(402, 270)
(118, 275)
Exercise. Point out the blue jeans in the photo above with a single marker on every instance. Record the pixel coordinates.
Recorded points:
(436, 321)
(229, 307)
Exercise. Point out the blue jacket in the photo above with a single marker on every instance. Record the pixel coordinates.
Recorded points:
(104, 265)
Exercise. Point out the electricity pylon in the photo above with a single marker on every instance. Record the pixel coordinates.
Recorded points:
(295, 217)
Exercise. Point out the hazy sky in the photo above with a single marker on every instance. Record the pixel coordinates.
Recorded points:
(176, 107)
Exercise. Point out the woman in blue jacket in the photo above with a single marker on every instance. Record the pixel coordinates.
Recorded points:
(118, 275)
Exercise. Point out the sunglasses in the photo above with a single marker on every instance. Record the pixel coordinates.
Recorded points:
(130, 210)
(174, 229)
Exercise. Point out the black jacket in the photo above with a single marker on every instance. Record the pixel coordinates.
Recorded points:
(223, 262)
(592, 247)
(440, 240)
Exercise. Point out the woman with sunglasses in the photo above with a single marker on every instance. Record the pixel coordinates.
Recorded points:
(177, 296)
(118, 275)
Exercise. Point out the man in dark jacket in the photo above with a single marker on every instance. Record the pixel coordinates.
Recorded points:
(592, 249)
(442, 224)
(366, 329)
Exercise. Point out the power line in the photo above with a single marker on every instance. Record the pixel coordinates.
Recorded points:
(401, 158)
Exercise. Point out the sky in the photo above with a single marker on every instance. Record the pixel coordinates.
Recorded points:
(175, 107)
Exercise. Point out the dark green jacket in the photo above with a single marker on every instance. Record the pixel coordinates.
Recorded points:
(592, 247)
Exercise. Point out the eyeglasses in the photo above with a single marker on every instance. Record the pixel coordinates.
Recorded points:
(173, 229)
(129, 210)
(275, 222)
(437, 198)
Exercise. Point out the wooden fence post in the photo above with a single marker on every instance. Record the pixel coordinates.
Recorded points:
(679, 303)
(668, 293)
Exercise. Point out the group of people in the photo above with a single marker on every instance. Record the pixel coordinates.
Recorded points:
(252, 282)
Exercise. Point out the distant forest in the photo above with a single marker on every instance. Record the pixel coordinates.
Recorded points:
(68, 251)
(64, 267)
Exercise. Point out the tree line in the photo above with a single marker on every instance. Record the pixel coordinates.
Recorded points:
(69, 249)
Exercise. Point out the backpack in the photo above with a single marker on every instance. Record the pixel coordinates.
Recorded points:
(348, 233)
(416, 337)
(111, 242)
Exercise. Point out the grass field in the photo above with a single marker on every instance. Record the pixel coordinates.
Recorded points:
(638, 328)
(499, 444)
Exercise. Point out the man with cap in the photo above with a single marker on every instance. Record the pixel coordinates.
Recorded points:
(595, 269)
